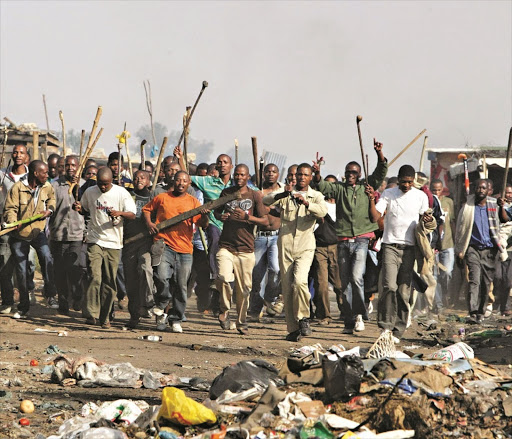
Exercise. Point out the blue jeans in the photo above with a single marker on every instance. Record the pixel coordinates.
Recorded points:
(352, 262)
(20, 250)
(267, 263)
(447, 258)
(171, 278)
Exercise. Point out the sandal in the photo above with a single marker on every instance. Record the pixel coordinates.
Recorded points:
(225, 324)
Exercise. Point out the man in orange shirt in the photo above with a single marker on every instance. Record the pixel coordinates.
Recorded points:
(172, 270)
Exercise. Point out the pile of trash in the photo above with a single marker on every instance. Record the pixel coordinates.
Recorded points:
(319, 392)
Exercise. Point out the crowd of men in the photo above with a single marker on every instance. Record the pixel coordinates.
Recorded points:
(282, 247)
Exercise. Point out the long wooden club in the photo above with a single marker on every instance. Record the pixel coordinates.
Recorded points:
(406, 147)
(358, 121)
(159, 163)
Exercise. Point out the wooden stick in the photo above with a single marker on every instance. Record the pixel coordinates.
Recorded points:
(186, 116)
(46, 113)
(507, 164)
(35, 145)
(205, 84)
(254, 142)
(236, 152)
(4, 146)
(142, 159)
(159, 163)
(82, 138)
(91, 135)
(358, 121)
(406, 148)
(211, 205)
(422, 157)
(149, 105)
(130, 171)
(61, 117)
(86, 156)
(367, 161)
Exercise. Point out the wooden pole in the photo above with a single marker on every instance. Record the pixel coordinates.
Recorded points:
(81, 150)
(236, 152)
(406, 147)
(507, 163)
(186, 116)
(159, 163)
(61, 117)
(35, 145)
(149, 105)
(4, 146)
(91, 135)
(254, 142)
(46, 113)
(210, 205)
(422, 157)
(205, 84)
(128, 154)
(358, 121)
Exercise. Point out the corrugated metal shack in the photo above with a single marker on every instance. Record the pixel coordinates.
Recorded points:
(483, 162)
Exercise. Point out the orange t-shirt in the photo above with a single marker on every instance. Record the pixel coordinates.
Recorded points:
(165, 206)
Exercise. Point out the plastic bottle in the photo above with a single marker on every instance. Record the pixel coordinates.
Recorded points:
(151, 337)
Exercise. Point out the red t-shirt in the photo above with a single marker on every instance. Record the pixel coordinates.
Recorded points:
(165, 206)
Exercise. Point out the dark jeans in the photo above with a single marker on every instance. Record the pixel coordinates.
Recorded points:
(120, 279)
(20, 250)
(68, 272)
(481, 265)
(397, 267)
(171, 278)
(6, 271)
(136, 258)
(503, 283)
(213, 235)
(201, 277)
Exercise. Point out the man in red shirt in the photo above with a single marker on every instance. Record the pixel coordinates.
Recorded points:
(173, 250)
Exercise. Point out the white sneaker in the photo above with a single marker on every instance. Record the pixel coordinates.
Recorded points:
(158, 311)
(161, 322)
(176, 327)
(488, 310)
(20, 315)
(359, 326)
(5, 309)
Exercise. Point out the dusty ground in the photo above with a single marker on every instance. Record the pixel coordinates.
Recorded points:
(202, 350)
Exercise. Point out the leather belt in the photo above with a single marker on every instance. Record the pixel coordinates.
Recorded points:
(268, 233)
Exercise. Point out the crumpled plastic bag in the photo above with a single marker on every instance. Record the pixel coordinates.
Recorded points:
(178, 408)
(245, 375)
(342, 377)
(112, 375)
(453, 352)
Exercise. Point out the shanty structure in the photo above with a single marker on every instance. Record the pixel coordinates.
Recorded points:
(483, 162)
(40, 143)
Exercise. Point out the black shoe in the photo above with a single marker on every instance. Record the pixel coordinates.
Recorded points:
(243, 329)
(305, 328)
(294, 336)
(132, 323)
(225, 324)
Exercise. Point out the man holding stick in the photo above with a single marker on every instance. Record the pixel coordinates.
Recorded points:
(8, 177)
(354, 229)
(211, 187)
(66, 238)
(28, 197)
(172, 250)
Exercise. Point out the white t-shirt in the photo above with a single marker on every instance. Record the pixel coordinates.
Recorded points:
(402, 214)
(101, 230)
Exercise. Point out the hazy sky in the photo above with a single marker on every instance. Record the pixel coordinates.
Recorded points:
(294, 74)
